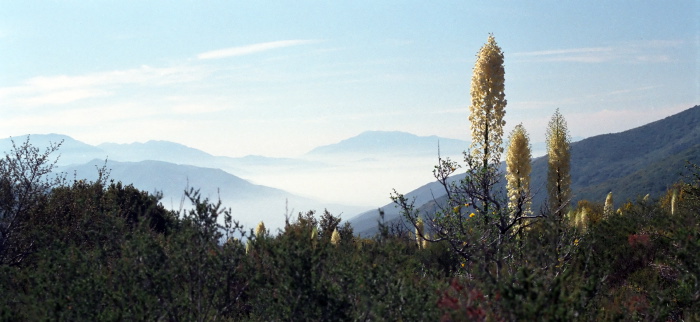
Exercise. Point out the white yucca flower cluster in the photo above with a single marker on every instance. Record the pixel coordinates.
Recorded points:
(260, 231)
(335, 237)
(518, 169)
(488, 106)
(559, 158)
(609, 207)
(421, 236)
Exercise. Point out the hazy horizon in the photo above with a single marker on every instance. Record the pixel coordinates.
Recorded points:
(239, 79)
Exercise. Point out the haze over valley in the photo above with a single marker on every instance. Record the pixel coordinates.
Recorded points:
(347, 178)
(353, 177)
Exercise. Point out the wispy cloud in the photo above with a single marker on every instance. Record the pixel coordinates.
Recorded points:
(652, 51)
(632, 90)
(252, 49)
(582, 55)
(62, 89)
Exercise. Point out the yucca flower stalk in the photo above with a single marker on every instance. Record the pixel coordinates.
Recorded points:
(518, 169)
(559, 161)
(582, 219)
(609, 208)
(488, 105)
(486, 116)
(420, 226)
(674, 197)
(314, 233)
(335, 237)
(260, 231)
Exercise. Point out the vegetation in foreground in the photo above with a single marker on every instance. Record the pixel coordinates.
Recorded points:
(104, 251)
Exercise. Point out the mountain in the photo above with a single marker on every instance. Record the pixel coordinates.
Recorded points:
(657, 150)
(155, 150)
(645, 160)
(180, 154)
(395, 143)
(71, 150)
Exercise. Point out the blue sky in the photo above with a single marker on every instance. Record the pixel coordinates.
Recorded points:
(279, 78)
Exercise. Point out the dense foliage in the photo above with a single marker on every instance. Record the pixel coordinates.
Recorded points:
(107, 251)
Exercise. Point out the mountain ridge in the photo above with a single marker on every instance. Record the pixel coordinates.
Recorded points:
(617, 162)
(391, 142)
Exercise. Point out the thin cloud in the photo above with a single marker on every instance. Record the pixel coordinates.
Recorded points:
(62, 96)
(651, 51)
(62, 89)
(565, 51)
(633, 90)
(252, 49)
(582, 55)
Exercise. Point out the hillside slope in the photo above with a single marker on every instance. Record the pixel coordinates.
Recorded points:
(644, 160)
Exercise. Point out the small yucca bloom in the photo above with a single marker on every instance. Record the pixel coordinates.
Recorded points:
(425, 241)
(674, 197)
(518, 170)
(260, 230)
(419, 232)
(314, 233)
(335, 237)
(609, 208)
(583, 219)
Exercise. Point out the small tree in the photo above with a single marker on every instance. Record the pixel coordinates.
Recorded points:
(559, 161)
(24, 183)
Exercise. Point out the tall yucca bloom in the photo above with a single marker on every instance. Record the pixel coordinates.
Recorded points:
(335, 237)
(609, 208)
(559, 158)
(488, 106)
(518, 170)
(419, 232)
(260, 230)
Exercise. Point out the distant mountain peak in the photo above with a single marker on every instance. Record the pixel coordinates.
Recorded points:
(395, 143)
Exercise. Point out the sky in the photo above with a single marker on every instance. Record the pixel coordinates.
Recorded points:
(278, 78)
